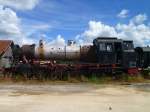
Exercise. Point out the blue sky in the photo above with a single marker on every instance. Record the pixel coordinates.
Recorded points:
(71, 18)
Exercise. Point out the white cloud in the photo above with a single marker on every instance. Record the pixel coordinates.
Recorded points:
(139, 33)
(9, 22)
(10, 27)
(136, 30)
(98, 29)
(20, 4)
(139, 19)
(123, 13)
(59, 41)
(58, 45)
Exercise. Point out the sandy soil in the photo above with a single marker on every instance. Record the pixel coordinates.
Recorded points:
(75, 98)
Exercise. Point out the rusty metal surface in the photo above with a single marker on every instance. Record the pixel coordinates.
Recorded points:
(28, 51)
(61, 53)
(88, 54)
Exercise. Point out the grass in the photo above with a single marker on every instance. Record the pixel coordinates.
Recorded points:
(123, 78)
(101, 79)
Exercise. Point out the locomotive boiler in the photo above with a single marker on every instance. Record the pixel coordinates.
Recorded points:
(71, 52)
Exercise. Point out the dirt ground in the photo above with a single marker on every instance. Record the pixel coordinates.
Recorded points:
(74, 98)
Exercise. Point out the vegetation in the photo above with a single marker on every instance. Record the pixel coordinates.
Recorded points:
(144, 76)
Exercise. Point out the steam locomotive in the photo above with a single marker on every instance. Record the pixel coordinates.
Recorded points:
(106, 55)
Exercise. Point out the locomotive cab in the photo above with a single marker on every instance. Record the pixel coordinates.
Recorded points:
(116, 52)
(108, 50)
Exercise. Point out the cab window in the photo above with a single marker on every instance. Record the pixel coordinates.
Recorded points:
(109, 47)
(102, 47)
(105, 47)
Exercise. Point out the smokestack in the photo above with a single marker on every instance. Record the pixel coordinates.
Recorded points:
(41, 49)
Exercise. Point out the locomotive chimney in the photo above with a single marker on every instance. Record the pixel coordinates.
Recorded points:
(41, 49)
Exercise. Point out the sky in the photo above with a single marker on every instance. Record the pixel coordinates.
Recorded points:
(56, 21)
